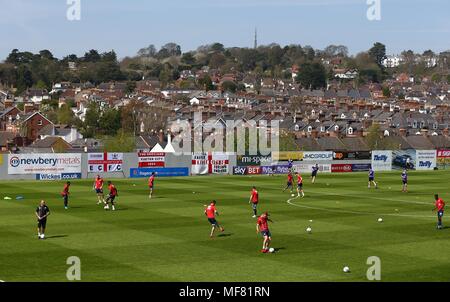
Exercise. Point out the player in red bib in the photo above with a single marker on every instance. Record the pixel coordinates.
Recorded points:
(112, 195)
(65, 195)
(254, 199)
(289, 182)
(98, 187)
(299, 185)
(262, 226)
(211, 213)
(151, 181)
(439, 207)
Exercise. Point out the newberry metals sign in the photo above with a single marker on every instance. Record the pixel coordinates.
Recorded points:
(50, 163)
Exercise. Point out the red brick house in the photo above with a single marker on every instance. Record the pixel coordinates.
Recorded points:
(32, 124)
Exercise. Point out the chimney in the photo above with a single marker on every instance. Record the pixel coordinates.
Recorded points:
(359, 133)
(314, 133)
(445, 132)
(161, 136)
(73, 134)
(402, 132)
(28, 108)
(9, 103)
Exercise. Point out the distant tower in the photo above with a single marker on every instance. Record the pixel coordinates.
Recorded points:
(256, 39)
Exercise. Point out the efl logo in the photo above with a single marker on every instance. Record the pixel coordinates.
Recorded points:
(14, 161)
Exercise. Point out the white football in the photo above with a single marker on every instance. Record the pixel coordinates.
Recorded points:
(308, 230)
(271, 250)
(346, 269)
(292, 195)
(380, 219)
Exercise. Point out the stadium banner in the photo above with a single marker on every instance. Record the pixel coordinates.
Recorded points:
(253, 170)
(305, 168)
(382, 160)
(443, 159)
(160, 172)
(44, 163)
(425, 159)
(58, 176)
(404, 159)
(351, 155)
(200, 163)
(218, 163)
(254, 160)
(239, 170)
(317, 155)
(105, 162)
(360, 167)
(341, 168)
(151, 159)
(286, 155)
(268, 170)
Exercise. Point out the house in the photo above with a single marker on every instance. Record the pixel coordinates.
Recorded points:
(69, 134)
(50, 144)
(37, 95)
(392, 61)
(32, 124)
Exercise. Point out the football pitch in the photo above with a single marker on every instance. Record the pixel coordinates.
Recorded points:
(167, 238)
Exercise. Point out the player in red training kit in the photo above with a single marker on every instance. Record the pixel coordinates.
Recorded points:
(98, 187)
(254, 199)
(112, 195)
(151, 181)
(299, 185)
(65, 195)
(439, 207)
(211, 213)
(263, 227)
(289, 182)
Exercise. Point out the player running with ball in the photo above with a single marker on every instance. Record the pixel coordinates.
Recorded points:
(372, 178)
(262, 226)
(112, 195)
(289, 182)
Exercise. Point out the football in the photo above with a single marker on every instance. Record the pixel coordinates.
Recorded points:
(346, 269)
(380, 219)
(292, 195)
(308, 230)
(271, 250)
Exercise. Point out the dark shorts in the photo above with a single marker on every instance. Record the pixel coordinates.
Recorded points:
(405, 182)
(65, 198)
(99, 191)
(42, 223)
(300, 186)
(150, 187)
(212, 221)
(111, 197)
(266, 233)
(371, 178)
(254, 205)
(289, 183)
(440, 213)
(314, 174)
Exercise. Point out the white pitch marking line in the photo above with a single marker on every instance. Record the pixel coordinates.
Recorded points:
(352, 212)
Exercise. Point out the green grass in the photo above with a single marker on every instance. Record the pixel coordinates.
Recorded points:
(167, 238)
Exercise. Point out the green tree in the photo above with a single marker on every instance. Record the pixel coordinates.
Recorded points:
(121, 142)
(229, 86)
(65, 115)
(110, 121)
(378, 53)
(312, 75)
(205, 83)
(386, 92)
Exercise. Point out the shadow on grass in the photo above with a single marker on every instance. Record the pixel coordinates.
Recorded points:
(225, 235)
(279, 249)
(56, 236)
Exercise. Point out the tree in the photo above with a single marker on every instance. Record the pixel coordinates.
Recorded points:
(205, 83)
(120, 142)
(229, 86)
(110, 121)
(386, 92)
(149, 51)
(131, 87)
(188, 58)
(65, 115)
(218, 47)
(312, 75)
(92, 56)
(378, 53)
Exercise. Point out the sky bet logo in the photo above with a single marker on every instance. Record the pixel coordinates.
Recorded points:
(425, 164)
(380, 158)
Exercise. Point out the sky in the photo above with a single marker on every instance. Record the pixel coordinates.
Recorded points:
(128, 25)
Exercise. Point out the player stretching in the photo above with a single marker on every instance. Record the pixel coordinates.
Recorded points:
(405, 181)
(299, 185)
(254, 199)
(98, 187)
(65, 195)
(211, 213)
(289, 182)
(42, 212)
(263, 227)
(112, 195)
(372, 178)
(151, 181)
(439, 206)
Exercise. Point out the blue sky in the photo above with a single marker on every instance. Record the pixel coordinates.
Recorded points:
(127, 25)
